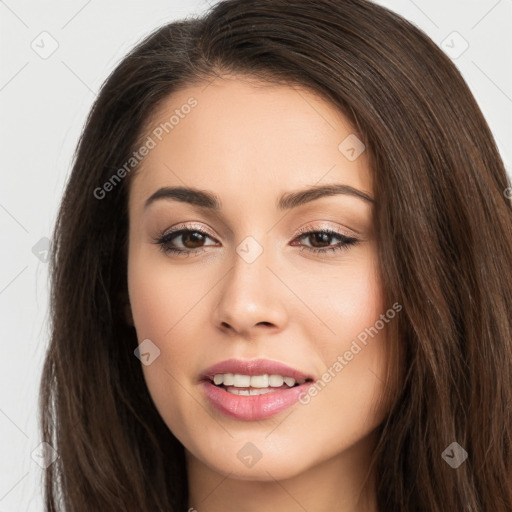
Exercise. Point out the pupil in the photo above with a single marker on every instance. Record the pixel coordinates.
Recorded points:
(195, 237)
(320, 236)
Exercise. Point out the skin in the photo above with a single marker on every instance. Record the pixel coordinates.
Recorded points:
(249, 143)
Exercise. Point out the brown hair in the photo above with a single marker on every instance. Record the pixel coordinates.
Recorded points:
(445, 245)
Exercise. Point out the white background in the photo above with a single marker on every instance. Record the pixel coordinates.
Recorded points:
(44, 104)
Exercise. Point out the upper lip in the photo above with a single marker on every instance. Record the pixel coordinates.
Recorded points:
(254, 367)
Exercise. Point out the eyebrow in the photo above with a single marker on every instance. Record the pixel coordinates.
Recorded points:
(287, 201)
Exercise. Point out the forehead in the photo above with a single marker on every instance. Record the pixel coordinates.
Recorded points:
(251, 136)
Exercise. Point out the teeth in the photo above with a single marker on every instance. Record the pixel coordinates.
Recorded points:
(289, 381)
(247, 392)
(242, 381)
(259, 381)
(255, 381)
(228, 379)
(275, 381)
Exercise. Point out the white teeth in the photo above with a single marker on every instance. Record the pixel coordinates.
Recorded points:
(276, 381)
(256, 381)
(289, 381)
(259, 381)
(248, 392)
(242, 381)
(228, 379)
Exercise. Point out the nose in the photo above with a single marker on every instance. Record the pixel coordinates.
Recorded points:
(252, 299)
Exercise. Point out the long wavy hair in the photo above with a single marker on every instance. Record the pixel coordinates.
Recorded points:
(444, 233)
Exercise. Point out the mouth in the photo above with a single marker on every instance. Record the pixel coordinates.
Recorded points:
(253, 390)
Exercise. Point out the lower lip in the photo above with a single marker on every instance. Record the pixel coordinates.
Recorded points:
(255, 407)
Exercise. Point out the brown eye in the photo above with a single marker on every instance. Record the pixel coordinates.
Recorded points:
(320, 239)
(192, 241)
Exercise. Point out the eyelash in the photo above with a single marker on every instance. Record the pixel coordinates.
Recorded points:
(165, 238)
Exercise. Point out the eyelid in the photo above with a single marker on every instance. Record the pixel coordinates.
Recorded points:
(340, 229)
(190, 227)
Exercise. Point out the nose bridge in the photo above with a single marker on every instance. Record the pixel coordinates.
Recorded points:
(248, 281)
(248, 295)
(250, 274)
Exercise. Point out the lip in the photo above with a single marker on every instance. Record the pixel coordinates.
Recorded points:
(255, 407)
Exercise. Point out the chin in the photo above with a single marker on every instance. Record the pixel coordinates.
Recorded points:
(243, 460)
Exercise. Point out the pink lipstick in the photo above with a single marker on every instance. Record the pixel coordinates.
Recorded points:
(254, 389)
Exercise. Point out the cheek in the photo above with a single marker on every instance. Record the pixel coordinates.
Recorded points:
(161, 294)
(358, 303)
(165, 303)
(347, 301)
(157, 309)
(363, 342)
(355, 352)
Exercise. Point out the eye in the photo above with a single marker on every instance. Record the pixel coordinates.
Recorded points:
(193, 241)
(320, 240)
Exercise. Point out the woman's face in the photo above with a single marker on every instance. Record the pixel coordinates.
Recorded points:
(249, 284)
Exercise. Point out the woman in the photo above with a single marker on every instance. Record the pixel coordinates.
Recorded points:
(282, 275)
